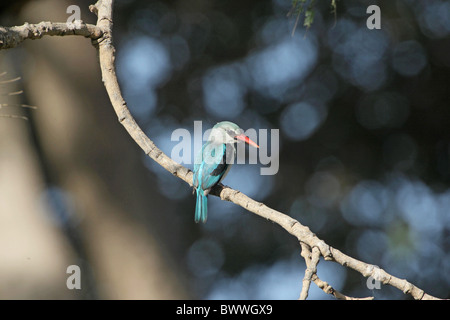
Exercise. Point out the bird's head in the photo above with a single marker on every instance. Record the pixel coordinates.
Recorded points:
(229, 132)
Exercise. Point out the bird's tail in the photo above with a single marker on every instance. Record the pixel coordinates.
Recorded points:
(201, 208)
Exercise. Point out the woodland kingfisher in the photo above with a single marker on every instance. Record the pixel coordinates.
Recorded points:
(213, 162)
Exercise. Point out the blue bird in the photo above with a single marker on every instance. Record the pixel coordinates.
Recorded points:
(213, 162)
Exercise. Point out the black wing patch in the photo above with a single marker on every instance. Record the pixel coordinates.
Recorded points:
(221, 167)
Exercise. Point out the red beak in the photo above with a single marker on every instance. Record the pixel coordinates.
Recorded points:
(247, 140)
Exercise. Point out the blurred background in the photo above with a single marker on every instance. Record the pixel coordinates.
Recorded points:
(364, 118)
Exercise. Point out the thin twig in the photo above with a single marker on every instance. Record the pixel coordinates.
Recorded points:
(330, 290)
(17, 105)
(312, 258)
(15, 93)
(13, 36)
(8, 81)
(12, 116)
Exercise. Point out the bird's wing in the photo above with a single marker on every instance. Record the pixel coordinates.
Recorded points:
(213, 165)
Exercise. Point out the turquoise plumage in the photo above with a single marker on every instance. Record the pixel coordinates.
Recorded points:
(214, 161)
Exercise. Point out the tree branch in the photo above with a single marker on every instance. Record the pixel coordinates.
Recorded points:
(13, 36)
(312, 246)
(312, 258)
